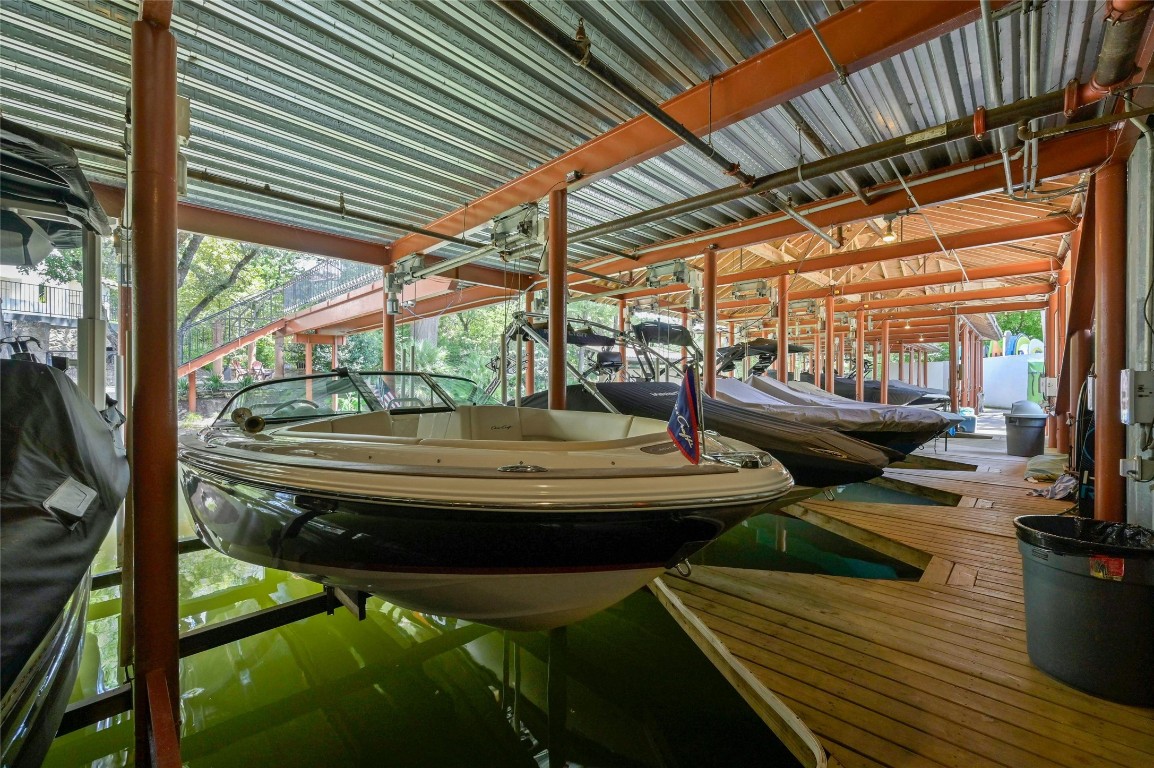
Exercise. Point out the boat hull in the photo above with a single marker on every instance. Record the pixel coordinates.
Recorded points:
(515, 567)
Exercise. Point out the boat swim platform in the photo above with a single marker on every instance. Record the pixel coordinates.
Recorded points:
(901, 673)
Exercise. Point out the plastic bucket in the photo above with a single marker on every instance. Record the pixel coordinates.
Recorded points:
(1089, 609)
(1025, 435)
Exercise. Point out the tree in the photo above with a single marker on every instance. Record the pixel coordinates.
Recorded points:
(1027, 321)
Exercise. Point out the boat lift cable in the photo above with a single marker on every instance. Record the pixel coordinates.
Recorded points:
(843, 79)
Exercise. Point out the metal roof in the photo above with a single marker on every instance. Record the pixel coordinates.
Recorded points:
(411, 109)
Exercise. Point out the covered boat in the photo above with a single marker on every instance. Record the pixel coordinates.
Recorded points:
(63, 477)
(515, 517)
(901, 428)
(899, 393)
(816, 457)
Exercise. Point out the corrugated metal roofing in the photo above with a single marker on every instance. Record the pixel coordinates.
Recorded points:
(411, 109)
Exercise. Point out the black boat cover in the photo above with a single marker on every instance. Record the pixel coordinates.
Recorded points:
(815, 457)
(40, 170)
(578, 337)
(667, 334)
(62, 479)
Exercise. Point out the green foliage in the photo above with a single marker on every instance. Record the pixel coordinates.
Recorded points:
(214, 383)
(182, 386)
(1028, 322)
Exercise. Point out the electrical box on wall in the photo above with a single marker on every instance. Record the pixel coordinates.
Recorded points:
(1049, 387)
(1137, 396)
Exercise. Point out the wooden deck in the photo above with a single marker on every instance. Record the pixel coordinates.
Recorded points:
(927, 673)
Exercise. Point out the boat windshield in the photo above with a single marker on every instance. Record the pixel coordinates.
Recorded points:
(464, 391)
(338, 393)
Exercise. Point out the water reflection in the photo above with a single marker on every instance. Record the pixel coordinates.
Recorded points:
(778, 542)
(404, 689)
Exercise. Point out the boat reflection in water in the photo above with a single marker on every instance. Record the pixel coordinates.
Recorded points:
(407, 689)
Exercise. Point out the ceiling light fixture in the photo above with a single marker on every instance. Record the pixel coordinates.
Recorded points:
(889, 236)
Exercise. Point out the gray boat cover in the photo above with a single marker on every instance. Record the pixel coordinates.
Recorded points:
(848, 417)
(62, 479)
(803, 389)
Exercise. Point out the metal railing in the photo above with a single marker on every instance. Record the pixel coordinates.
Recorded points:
(40, 299)
(322, 282)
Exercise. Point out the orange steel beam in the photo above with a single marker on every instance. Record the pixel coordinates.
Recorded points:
(1004, 292)
(859, 356)
(787, 70)
(968, 309)
(913, 281)
(156, 13)
(216, 354)
(952, 364)
(274, 234)
(1109, 341)
(366, 300)
(974, 238)
(1057, 157)
(1060, 156)
(317, 338)
(153, 414)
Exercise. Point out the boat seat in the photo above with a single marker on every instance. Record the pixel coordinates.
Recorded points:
(541, 424)
(489, 422)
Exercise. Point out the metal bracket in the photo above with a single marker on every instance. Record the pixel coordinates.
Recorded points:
(354, 600)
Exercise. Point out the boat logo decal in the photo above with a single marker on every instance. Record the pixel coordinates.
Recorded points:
(831, 452)
(521, 468)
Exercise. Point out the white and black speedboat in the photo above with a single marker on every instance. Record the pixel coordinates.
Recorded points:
(516, 517)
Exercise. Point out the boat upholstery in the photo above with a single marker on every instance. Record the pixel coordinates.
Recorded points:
(483, 422)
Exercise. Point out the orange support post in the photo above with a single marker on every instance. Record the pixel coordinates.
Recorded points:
(952, 364)
(333, 356)
(1051, 349)
(829, 320)
(623, 375)
(388, 329)
(1109, 340)
(815, 356)
(783, 328)
(153, 423)
(709, 309)
(885, 374)
(859, 349)
(558, 294)
(925, 368)
(192, 392)
(901, 361)
(531, 353)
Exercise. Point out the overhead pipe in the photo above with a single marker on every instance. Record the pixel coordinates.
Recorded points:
(819, 144)
(1116, 64)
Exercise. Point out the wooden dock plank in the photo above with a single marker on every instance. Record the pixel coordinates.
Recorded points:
(919, 673)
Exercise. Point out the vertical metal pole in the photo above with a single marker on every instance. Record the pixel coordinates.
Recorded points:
(333, 364)
(558, 294)
(925, 368)
(1051, 364)
(783, 328)
(685, 322)
(815, 357)
(154, 482)
(859, 356)
(1109, 340)
(964, 381)
(623, 375)
(709, 307)
(192, 392)
(901, 361)
(530, 353)
(952, 365)
(388, 326)
(885, 391)
(91, 331)
(829, 369)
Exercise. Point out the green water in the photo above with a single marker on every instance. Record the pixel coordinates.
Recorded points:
(403, 689)
(875, 494)
(778, 542)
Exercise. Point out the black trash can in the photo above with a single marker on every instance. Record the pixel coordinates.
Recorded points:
(1090, 605)
(1026, 429)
